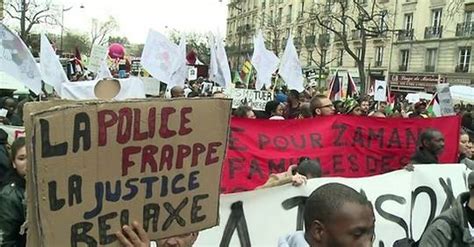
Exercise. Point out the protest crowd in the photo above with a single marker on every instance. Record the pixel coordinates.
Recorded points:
(334, 214)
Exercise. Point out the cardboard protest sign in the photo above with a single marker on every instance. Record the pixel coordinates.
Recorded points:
(345, 146)
(404, 203)
(445, 100)
(255, 98)
(99, 165)
(98, 55)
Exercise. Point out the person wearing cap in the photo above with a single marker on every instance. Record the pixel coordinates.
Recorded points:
(455, 226)
(420, 110)
(351, 107)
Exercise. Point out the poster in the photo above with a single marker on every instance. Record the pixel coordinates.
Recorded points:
(445, 100)
(13, 132)
(98, 56)
(257, 99)
(192, 73)
(345, 146)
(404, 203)
(380, 91)
(106, 164)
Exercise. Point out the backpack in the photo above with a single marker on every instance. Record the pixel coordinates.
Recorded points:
(456, 233)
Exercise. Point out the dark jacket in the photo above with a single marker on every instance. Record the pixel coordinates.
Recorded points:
(423, 156)
(12, 211)
(439, 233)
(5, 163)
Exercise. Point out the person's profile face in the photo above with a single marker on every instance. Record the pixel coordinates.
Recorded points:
(352, 226)
(326, 108)
(436, 144)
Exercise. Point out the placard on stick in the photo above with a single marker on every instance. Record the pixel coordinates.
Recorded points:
(99, 165)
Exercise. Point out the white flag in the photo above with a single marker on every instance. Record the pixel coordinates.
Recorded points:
(160, 57)
(213, 67)
(52, 71)
(181, 73)
(290, 67)
(264, 61)
(223, 64)
(17, 61)
(104, 71)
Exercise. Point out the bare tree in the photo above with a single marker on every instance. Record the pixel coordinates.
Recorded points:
(100, 31)
(351, 19)
(30, 13)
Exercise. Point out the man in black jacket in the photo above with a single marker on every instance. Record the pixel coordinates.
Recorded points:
(430, 146)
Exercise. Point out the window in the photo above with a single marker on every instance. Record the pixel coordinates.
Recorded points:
(263, 4)
(431, 55)
(290, 10)
(379, 56)
(404, 58)
(280, 12)
(469, 17)
(408, 24)
(340, 57)
(301, 9)
(436, 18)
(271, 16)
(313, 28)
(464, 59)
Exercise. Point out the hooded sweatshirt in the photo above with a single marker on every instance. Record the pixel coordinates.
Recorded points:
(293, 240)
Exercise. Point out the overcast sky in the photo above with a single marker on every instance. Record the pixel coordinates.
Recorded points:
(136, 17)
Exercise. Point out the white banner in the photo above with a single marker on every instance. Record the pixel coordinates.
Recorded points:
(255, 98)
(403, 203)
(131, 88)
(13, 132)
(152, 86)
(98, 56)
(52, 71)
(17, 61)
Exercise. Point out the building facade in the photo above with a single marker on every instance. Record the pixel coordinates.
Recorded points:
(434, 43)
(424, 41)
(1, 9)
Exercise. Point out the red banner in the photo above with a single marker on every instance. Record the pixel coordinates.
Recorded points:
(346, 146)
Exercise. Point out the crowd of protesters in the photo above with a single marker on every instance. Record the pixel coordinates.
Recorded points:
(287, 104)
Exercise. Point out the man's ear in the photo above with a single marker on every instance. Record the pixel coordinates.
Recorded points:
(317, 111)
(317, 231)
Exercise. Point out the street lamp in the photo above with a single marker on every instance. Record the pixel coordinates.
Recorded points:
(62, 22)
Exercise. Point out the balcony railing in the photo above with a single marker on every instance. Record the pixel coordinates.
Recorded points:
(429, 68)
(404, 35)
(462, 68)
(310, 41)
(378, 64)
(323, 40)
(402, 68)
(434, 32)
(244, 28)
(465, 29)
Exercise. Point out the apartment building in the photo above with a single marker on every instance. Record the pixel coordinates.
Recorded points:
(277, 19)
(434, 44)
(425, 41)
